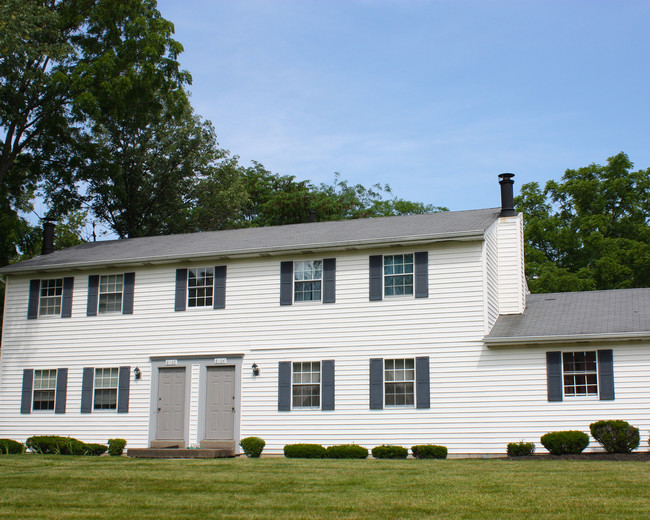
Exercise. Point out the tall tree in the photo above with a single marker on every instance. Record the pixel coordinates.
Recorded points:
(589, 231)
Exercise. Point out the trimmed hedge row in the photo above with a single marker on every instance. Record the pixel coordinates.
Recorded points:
(58, 445)
(354, 451)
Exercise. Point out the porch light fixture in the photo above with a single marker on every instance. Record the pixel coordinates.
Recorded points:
(137, 373)
(256, 369)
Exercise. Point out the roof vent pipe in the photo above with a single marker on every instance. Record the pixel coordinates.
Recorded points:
(507, 201)
(48, 236)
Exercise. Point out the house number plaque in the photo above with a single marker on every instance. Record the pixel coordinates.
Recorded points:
(220, 360)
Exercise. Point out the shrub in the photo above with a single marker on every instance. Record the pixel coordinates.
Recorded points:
(347, 451)
(520, 449)
(615, 436)
(116, 447)
(304, 451)
(429, 451)
(389, 452)
(55, 444)
(95, 449)
(252, 446)
(10, 447)
(570, 442)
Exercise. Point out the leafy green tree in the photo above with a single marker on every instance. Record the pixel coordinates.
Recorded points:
(589, 231)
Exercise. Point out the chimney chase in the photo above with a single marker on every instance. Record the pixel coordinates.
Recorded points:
(48, 236)
(507, 201)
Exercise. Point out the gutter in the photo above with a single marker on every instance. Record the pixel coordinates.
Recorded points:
(567, 338)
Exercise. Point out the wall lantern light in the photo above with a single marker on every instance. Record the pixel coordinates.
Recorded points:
(137, 373)
(256, 369)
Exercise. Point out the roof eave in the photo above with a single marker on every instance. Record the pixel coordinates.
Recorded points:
(251, 252)
(567, 338)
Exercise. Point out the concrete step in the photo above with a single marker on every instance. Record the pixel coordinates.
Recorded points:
(179, 453)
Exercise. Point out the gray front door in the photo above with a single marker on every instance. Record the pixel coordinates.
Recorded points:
(171, 404)
(220, 404)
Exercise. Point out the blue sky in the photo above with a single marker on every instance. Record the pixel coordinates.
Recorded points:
(434, 98)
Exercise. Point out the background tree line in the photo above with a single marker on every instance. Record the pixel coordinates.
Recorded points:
(95, 119)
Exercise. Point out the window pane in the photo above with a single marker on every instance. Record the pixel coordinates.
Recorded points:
(44, 389)
(50, 297)
(580, 373)
(399, 377)
(306, 384)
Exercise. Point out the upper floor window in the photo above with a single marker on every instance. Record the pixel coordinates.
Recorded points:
(44, 389)
(200, 287)
(106, 382)
(405, 275)
(307, 276)
(306, 384)
(308, 281)
(398, 275)
(399, 381)
(110, 293)
(580, 373)
(50, 297)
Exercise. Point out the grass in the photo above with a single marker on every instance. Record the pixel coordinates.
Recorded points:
(66, 487)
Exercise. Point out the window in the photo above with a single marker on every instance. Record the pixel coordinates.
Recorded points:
(398, 275)
(110, 293)
(307, 276)
(200, 286)
(306, 384)
(580, 374)
(50, 297)
(44, 389)
(399, 377)
(106, 380)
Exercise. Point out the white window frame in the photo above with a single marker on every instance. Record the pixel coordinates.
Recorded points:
(302, 378)
(108, 282)
(584, 377)
(100, 384)
(38, 386)
(302, 269)
(399, 371)
(401, 273)
(55, 286)
(208, 272)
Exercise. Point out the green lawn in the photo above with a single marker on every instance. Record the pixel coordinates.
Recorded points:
(64, 487)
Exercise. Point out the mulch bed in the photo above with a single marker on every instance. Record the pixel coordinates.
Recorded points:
(643, 456)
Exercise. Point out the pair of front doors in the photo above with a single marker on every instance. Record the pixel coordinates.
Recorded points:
(218, 410)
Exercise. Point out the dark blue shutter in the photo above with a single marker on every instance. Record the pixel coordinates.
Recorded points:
(606, 375)
(327, 378)
(61, 389)
(219, 298)
(181, 290)
(376, 277)
(66, 305)
(422, 383)
(554, 375)
(284, 386)
(286, 283)
(376, 384)
(329, 280)
(422, 275)
(87, 390)
(34, 293)
(123, 386)
(28, 385)
(128, 291)
(93, 292)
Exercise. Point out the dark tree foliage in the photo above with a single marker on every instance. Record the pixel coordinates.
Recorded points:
(589, 231)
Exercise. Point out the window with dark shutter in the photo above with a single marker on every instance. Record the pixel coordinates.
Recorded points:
(286, 283)
(554, 375)
(329, 280)
(328, 385)
(123, 389)
(129, 290)
(284, 386)
(376, 384)
(220, 287)
(422, 383)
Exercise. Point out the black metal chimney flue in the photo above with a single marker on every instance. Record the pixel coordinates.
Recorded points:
(48, 236)
(507, 200)
(312, 215)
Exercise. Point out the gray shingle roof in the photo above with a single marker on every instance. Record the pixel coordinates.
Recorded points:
(269, 240)
(581, 315)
